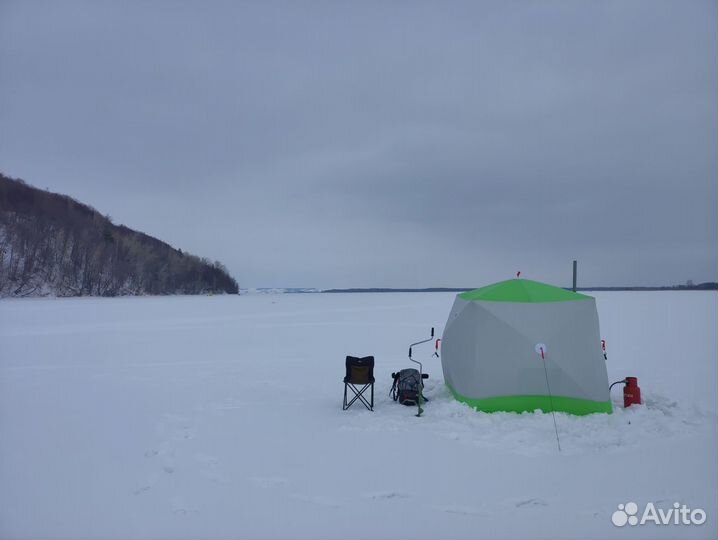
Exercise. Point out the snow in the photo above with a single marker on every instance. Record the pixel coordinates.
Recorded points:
(220, 417)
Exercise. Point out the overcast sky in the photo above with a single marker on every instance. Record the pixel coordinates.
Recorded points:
(334, 144)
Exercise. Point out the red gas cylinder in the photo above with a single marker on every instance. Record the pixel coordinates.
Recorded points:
(631, 392)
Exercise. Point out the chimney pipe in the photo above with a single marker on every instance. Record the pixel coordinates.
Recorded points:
(575, 268)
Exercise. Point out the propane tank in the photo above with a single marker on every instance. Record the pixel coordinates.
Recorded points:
(631, 392)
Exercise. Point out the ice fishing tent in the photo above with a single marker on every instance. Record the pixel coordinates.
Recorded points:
(491, 349)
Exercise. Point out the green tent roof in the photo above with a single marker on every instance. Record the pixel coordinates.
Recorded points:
(522, 290)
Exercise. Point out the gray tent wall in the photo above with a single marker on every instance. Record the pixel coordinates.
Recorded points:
(489, 358)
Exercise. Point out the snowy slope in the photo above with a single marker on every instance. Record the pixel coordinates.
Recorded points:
(220, 417)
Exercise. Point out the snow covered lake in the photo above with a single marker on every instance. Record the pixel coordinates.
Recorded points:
(220, 417)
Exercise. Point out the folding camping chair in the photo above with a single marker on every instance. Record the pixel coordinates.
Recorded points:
(359, 377)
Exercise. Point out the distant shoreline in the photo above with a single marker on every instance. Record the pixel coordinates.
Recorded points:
(700, 287)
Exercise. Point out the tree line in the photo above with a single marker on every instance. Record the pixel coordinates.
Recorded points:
(53, 244)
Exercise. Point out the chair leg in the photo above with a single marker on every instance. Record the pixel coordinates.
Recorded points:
(359, 394)
(344, 404)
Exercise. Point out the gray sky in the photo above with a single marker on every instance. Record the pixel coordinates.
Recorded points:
(333, 144)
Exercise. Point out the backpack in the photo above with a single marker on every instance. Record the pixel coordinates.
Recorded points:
(407, 386)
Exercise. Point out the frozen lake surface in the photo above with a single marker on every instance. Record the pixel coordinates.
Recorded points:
(220, 417)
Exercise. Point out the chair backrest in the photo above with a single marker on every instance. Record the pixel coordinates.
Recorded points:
(360, 370)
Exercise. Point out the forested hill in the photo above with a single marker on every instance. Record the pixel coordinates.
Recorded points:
(52, 244)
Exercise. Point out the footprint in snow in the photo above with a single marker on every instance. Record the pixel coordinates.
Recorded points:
(185, 511)
(181, 508)
(383, 495)
(531, 502)
(463, 510)
(150, 483)
(178, 427)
